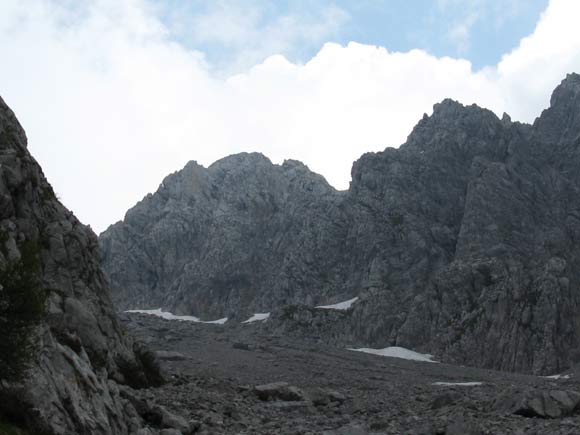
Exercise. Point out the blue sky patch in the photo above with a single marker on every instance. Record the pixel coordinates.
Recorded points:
(235, 35)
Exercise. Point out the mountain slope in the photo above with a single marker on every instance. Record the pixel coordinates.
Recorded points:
(84, 354)
(463, 242)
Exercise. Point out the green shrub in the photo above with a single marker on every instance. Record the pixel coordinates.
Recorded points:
(22, 307)
(8, 429)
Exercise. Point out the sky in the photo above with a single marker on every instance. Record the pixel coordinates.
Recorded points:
(116, 94)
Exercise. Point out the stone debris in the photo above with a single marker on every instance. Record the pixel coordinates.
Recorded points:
(321, 389)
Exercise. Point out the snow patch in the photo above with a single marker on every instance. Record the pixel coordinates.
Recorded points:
(345, 305)
(398, 352)
(169, 316)
(459, 384)
(556, 377)
(216, 322)
(257, 317)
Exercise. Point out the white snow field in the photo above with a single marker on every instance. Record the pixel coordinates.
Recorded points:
(556, 377)
(169, 316)
(257, 317)
(458, 384)
(345, 305)
(398, 352)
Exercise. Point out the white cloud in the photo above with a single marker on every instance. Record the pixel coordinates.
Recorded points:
(467, 12)
(460, 32)
(464, 15)
(112, 104)
(529, 73)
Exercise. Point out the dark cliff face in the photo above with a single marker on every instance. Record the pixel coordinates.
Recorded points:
(462, 242)
(83, 354)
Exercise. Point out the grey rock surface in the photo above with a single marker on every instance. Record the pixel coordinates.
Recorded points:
(84, 353)
(462, 243)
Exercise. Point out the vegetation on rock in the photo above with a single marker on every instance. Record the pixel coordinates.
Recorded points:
(22, 307)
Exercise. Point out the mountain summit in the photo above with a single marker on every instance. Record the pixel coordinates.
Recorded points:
(464, 242)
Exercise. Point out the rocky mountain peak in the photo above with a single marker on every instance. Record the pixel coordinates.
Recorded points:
(567, 94)
(448, 111)
(560, 123)
(258, 209)
(454, 125)
(186, 183)
(447, 107)
(241, 162)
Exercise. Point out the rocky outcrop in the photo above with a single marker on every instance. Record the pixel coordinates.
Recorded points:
(462, 243)
(83, 354)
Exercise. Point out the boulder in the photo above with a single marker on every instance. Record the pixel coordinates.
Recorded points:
(538, 403)
(324, 396)
(169, 355)
(160, 416)
(279, 391)
(446, 399)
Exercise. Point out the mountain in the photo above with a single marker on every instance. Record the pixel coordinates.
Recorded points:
(83, 355)
(230, 238)
(463, 242)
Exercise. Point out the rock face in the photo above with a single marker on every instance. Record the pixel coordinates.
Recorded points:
(228, 239)
(84, 354)
(463, 243)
